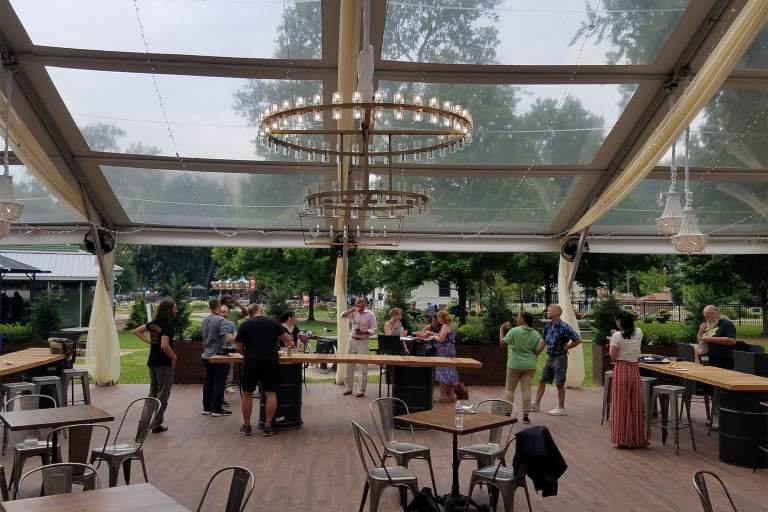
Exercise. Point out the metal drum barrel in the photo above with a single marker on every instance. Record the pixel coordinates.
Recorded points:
(743, 426)
(412, 385)
(288, 414)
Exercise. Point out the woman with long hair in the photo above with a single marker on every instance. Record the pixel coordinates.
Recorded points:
(627, 422)
(448, 378)
(162, 358)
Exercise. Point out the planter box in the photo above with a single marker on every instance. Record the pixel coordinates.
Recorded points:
(494, 370)
(189, 367)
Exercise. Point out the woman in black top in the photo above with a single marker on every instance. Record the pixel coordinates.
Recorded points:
(162, 358)
(288, 321)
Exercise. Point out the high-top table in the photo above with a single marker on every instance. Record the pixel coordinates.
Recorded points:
(743, 422)
(15, 362)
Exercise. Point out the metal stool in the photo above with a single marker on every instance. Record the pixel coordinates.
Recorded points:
(606, 412)
(50, 380)
(68, 377)
(11, 390)
(647, 383)
(668, 401)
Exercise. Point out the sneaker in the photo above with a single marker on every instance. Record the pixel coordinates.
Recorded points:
(245, 430)
(359, 394)
(558, 412)
(267, 431)
(229, 390)
(206, 413)
(534, 408)
(222, 412)
(159, 429)
(526, 419)
(347, 393)
(224, 404)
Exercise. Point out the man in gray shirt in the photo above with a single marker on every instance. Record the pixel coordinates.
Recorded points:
(216, 334)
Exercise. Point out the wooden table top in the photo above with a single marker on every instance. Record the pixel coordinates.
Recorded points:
(14, 362)
(124, 498)
(417, 361)
(54, 417)
(444, 419)
(718, 377)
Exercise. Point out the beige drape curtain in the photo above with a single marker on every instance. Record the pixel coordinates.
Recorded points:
(342, 324)
(708, 80)
(575, 376)
(102, 353)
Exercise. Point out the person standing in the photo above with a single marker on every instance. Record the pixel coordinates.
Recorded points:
(448, 378)
(719, 334)
(216, 334)
(363, 327)
(627, 415)
(162, 359)
(560, 338)
(258, 341)
(523, 345)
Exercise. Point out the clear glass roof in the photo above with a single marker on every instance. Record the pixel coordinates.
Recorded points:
(532, 124)
(210, 116)
(756, 56)
(40, 206)
(209, 199)
(722, 207)
(224, 28)
(494, 31)
(469, 205)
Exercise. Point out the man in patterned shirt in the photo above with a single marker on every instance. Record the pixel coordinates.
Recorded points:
(559, 338)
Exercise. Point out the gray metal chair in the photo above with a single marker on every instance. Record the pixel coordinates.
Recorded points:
(502, 478)
(3, 485)
(669, 397)
(28, 443)
(378, 476)
(606, 411)
(68, 377)
(385, 428)
(121, 454)
(50, 380)
(240, 489)
(58, 478)
(700, 484)
(79, 439)
(486, 454)
(11, 390)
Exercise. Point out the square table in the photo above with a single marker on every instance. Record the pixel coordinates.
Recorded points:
(144, 497)
(444, 420)
(54, 417)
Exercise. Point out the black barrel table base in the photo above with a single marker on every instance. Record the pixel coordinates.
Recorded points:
(412, 385)
(743, 427)
(288, 414)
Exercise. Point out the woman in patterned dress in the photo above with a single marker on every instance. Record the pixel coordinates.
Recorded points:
(627, 422)
(446, 377)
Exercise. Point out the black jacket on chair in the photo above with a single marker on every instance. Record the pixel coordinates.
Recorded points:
(543, 463)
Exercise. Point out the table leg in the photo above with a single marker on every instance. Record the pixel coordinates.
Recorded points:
(55, 448)
(455, 487)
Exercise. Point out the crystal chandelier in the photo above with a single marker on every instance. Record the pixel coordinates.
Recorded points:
(10, 208)
(689, 239)
(669, 222)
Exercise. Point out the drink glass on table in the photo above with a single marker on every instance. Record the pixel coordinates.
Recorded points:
(459, 413)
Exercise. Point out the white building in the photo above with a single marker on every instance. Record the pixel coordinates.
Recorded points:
(434, 292)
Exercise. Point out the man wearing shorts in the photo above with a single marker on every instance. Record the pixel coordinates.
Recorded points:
(258, 340)
(559, 338)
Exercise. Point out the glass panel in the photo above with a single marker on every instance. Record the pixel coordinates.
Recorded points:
(723, 208)
(518, 31)
(531, 124)
(486, 205)
(225, 28)
(756, 56)
(40, 206)
(208, 199)
(211, 117)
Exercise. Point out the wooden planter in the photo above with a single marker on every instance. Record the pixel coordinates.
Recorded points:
(189, 367)
(494, 370)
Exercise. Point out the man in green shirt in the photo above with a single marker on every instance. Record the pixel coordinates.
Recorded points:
(523, 345)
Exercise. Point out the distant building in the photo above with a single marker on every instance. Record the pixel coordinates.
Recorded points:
(434, 292)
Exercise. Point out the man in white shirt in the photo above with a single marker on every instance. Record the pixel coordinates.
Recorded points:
(363, 327)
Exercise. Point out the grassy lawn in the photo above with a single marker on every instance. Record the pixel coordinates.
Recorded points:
(750, 331)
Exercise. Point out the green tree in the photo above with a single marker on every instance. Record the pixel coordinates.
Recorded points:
(45, 314)
(610, 270)
(534, 271)
(156, 265)
(127, 281)
(462, 270)
(178, 290)
(652, 280)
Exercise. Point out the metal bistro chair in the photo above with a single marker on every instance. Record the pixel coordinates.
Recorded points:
(385, 428)
(488, 453)
(123, 453)
(28, 443)
(378, 476)
(606, 411)
(58, 478)
(240, 489)
(3, 485)
(390, 346)
(686, 352)
(10, 390)
(79, 444)
(700, 484)
(501, 478)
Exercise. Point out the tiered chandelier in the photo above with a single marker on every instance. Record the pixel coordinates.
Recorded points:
(689, 239)
(10, 207)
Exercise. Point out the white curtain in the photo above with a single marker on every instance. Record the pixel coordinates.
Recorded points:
(342, 324)
(575, 376)
(707, 82)
(102, 352)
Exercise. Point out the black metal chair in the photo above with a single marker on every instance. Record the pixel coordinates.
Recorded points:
(700, 484)
(389, 346)
(240, 489)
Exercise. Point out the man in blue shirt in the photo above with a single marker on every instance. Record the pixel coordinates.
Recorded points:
(559, 338)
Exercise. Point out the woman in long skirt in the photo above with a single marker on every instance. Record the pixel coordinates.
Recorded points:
(627, 421)
(448, 378)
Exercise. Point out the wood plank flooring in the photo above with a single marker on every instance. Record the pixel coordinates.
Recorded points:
(317, 467)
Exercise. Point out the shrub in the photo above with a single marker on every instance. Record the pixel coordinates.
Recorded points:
(603, 319)
(667, 334)
(695, 297)
(663, 316)
(15, 333)
(470, 334)
(194, 331)
(649, 318)
(496, 313)
(138, 314)
(277, 298)
(179, 292)
(44, 316)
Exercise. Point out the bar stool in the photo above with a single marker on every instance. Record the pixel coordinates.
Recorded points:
(11, 390)
(669, 398)
(68, 379)
(606, 412)
(647, 383)
(50, 380)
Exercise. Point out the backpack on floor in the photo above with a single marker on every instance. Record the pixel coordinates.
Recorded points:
(424, 501)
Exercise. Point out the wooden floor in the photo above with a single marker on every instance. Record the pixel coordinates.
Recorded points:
(317, 466)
